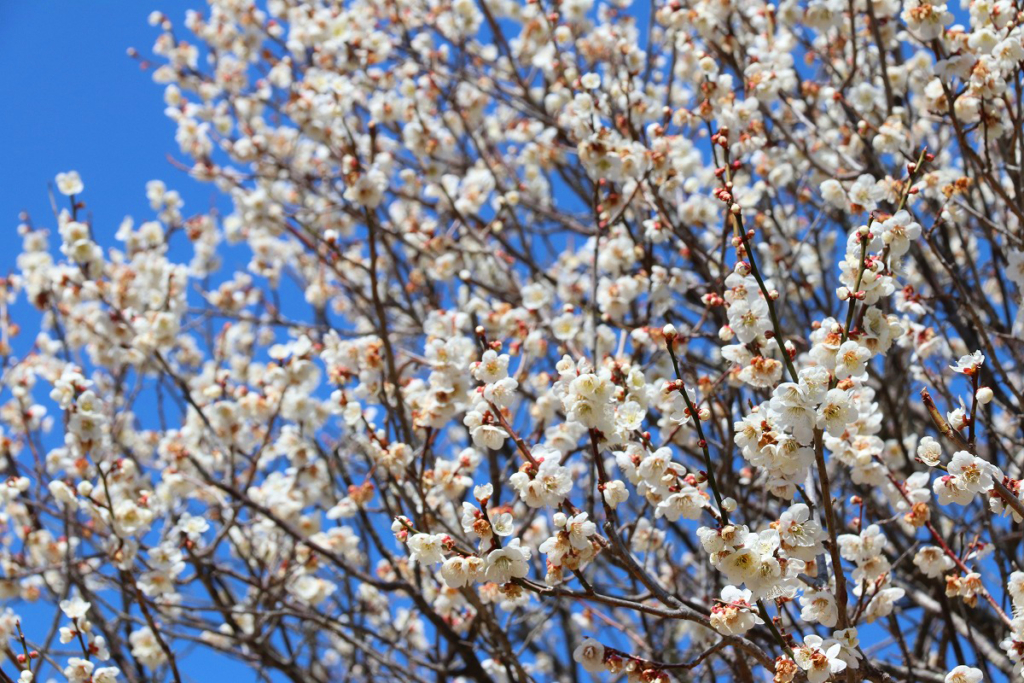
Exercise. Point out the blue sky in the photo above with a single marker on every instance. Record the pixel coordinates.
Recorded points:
(71, 98)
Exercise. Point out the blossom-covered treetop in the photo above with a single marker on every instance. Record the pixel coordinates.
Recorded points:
(536, 341)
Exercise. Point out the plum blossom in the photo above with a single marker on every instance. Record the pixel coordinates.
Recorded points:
(964, 674)
(507, 563)
(69, 183)
(590, 654)
(820, 664)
